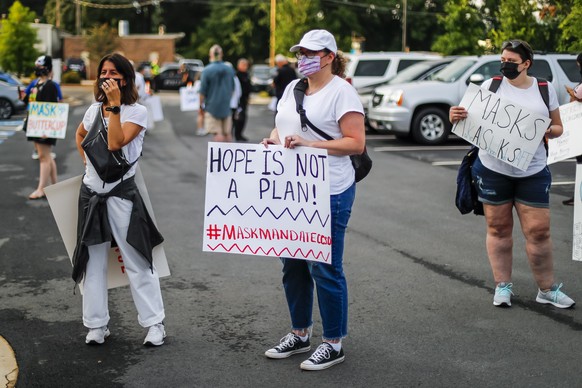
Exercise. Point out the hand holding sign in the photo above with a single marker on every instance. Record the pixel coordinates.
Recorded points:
(506, 130)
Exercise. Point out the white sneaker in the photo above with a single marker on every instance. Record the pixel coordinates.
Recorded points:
(201, 132)
(156, 335)
(97, 336)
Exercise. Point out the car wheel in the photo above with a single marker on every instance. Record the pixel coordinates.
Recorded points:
(6, 109)
(430, 126)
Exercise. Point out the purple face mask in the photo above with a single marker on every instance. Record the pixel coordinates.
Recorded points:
(308, 66)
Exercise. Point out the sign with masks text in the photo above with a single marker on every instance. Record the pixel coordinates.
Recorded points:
(504, 129)
(47, 119)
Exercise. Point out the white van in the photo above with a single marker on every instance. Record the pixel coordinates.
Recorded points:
(375, 67)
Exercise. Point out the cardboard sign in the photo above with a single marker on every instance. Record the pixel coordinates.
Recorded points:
(189, 98)
(507, 131)
(47, 119)
(63, 199)
(569, 144)
(268, 201)
(154, 106)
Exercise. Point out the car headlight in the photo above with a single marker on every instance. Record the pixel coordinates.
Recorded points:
(393, 97)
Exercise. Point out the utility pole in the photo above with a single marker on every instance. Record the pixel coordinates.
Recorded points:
(404, 6)
(58, 14)
(272, 40)
(78, 18)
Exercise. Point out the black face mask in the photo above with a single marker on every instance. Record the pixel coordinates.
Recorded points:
(509, 70)
(101, 80)
(40, 71)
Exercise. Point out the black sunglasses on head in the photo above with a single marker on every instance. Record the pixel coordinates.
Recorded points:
(516, 44)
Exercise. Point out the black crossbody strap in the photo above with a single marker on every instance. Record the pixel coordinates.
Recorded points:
(299, 93)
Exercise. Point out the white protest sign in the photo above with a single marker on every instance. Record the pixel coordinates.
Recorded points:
(154, 106)
(569, 144)
(189, 99)
(577, 232)
(47, 119)
(507, 131)
(63, 198)
(268, 201)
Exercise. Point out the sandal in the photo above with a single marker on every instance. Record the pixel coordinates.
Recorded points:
(569, 202)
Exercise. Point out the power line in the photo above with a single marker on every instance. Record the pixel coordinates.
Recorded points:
(134, 4)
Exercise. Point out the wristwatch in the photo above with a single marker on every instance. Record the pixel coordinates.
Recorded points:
(113, 109)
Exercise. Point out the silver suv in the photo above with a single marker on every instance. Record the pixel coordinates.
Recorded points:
(420, 109)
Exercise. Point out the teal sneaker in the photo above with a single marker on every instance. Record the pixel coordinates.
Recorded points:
(502, 297)
(555, 297)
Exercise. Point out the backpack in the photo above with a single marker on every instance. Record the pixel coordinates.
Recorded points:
(362, 163)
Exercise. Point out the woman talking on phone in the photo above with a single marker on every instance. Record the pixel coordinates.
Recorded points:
(111, 208)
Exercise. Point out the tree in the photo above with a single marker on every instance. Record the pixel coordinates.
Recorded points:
(100, 41)
(571, 37)
(17, 40)
(295, 18)
(463, 25)
(517, 21)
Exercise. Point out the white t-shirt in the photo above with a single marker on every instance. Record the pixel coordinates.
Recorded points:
(531, 99)
(134, 114)
(324, 109)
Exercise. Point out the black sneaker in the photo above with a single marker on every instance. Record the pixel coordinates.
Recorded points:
(289, 345)
(323, 357)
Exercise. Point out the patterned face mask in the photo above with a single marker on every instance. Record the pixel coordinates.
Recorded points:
(308, 66)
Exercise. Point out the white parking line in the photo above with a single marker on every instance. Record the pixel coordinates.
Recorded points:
(420, 148)
(565, 183)
(447, 163)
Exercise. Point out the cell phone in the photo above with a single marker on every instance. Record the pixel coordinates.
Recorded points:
(102, 80)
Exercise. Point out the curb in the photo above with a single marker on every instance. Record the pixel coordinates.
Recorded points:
(8, 365)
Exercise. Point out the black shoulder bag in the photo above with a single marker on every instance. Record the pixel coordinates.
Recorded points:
(362, 163)
(111, 166)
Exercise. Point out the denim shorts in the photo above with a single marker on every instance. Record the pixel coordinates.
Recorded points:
(497, 189)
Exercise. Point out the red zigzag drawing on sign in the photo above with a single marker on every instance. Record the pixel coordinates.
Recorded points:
(311, 252)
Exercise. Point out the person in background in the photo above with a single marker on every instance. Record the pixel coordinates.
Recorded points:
(502, 187)
(44, 90)
(332, 105)
(239, 117)
(27, 92)
(115, 211)
(216, 90)
(285, 74)
(575, 95)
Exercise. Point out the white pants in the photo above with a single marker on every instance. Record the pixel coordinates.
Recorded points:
(144, 285)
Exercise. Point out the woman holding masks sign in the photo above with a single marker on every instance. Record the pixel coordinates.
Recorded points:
(502, 187)
(333, 106)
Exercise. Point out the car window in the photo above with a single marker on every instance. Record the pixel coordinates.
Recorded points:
(571, 69)
(489, 69)
(541, 68)
(454, 70)
(411, 73)
(371, 68)
(404, 63)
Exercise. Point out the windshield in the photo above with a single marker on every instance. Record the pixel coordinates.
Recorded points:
(411, 73)
(454, 70)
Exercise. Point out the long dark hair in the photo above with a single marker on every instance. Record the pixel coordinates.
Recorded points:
(123, 66)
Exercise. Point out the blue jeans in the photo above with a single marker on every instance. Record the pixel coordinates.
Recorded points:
(332, 289)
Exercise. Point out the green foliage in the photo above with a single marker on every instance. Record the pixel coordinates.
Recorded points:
(571, 27)
(293, 19)
(17, 40)
(517, 21)
(100, 41)
(463, 27)
(71, 77)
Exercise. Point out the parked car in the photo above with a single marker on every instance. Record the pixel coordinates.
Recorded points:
(76, 65)
(10, 79)
(376, 67)
(192, 64)
(171, 78)
(417, 72)
(262, 78)
(420, 109)
(10, 102)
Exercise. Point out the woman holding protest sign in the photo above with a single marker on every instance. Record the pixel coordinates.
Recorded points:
(44, 90)
(502, 187)
(333, 106)
(111, 207)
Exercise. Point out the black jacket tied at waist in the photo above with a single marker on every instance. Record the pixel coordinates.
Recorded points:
(93, 224)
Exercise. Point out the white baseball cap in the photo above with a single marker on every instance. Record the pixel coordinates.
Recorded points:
(316, 40)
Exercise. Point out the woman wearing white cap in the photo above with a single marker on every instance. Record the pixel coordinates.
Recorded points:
(333, 106)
